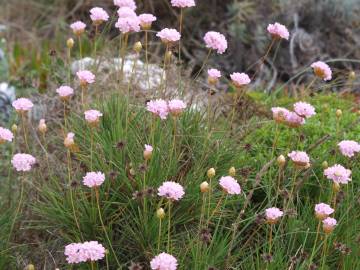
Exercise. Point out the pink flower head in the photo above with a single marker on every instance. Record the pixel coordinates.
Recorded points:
(329, 224)
(78, 27)
(240, 79)
(5, 135)
(93, 116)
(323, 210)
(278, 31)
(128, 20)
(183, 3)
(164, 261)
(93, 251)
(349, 148)
(169, 35)
(171, 191)
(176, 106)
(69, 140)
(98, 15)
(338, 174)
(23, 162)
(300, 159)
(146, 20)
(216, 41)
(230, 185)
(294, 120)
(273, 214)
(322, 70)
(74, 253)
(125, 12)
(125, 3)
(42, 126)
(158, 107)
(22, 105)
(65, 92)
(279, 114)
(148, 148)
(148, 151)
(85, 77)
(304, 109)
(93, 179)
(214, 73)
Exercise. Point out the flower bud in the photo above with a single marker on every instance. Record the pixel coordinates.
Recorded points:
(160, 213)
(42, 126)
(14, 128)
(132, 171)
(137, 47)
(338, 113)
(211, 173)
(232, 171)
(281, 160)
(204, 187)
(352, 75)
(325, 164)
(30, 267)
(70, 43)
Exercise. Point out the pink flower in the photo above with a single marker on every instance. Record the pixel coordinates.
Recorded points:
(240, 79)
(85, 77)
(148, 151)
(323, 210)
(169, 35)
(294, 120)
(93, 179)
(146, 20)
(273, 214)
(22, 105)
(42, 126)
(176, 106)
(158, 107)
(23, 162)
(92, 116)
(338, 174)
(69, 140)
(216, 41)
(171, 191)
(329, 224)
(322, 70)
(128, 20)
(183, 3)
(214, 73)
(74, 253)
(125, 3)
(148, 148)
(78, 27)
(230, 185)
(98, 15)
(349, 148)
(278, 31)
(93, 251)
(125, 12)
(304, 109)
(164, 261)
(5, 135)
(300, 159)
(65, 92)
(279, 114)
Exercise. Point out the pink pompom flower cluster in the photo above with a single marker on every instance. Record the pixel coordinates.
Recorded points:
(349, 148)
(65, 92)
(322, 70)
(69, 140)
(92, 116)
(23, 162)
(296, 118)
(329, 224)
(162, 108)
(146, 20)
(125, 3)
(216, 41)
(22, 105)
(183, 3)
(240, 79)
(338, 174)
(169, 35)
(213, 76)
(85, 77)
(98, 15)
(304, 109)
(171, 191)
(128, 21)
(273, 214)
(278, 31)
(323, 210)
(300, 159)
(164, 261)
(78, 27)
(90, 251)
(5, 135)
(230, 185)
(93, 179)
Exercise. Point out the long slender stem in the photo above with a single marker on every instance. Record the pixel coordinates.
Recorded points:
(209, 201)
(147, 58)
(203, 65)
(103, 226)
(324, 252)
(270, 238)
(179, 64)
(316, 239)
(169, 228)
(13, 145)
(92, 265)
(95, 39)
(23, 118)
(80, 49)
(163, 76)
(69, 65)
(91, 147)
(217, 206)
(262, 60)
(159, 235)
(123, 52)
